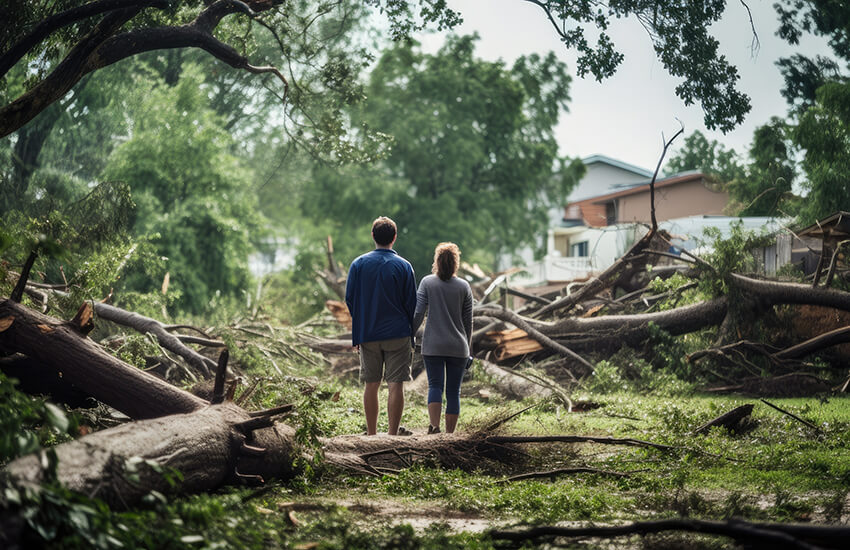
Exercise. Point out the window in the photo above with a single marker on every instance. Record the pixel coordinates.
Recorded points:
(578, 249)
(611, 213)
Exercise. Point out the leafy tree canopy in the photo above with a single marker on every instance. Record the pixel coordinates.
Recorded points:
(765, 186)
(817, 90)
(65, 40)
(192, 195)
(473, 158)
(824, 133)
(707, 156)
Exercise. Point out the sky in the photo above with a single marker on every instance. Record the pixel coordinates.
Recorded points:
(628, 116)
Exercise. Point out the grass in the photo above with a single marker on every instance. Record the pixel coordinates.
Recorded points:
(777, 470)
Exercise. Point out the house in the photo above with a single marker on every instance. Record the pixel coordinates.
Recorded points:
(610, 210)
(597, 230)
(602, 175)
(681, 195)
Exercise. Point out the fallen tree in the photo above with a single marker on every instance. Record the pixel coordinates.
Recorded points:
(209, 442)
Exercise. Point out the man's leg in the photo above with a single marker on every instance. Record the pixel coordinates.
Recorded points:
(371, 371)
(397, 356)
(395, 406)
(370, 406)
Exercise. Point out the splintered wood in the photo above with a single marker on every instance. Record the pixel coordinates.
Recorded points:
(340, 312)
(511, 343)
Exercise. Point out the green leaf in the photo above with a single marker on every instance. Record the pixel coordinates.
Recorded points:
(56, 417)
(78, 520)
(12, 495)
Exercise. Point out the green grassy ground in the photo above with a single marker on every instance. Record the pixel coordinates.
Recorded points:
(776, 470)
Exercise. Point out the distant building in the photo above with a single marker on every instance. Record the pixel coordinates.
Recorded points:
(677, 196)
(605, 175)
(602, 175)
(610, 209)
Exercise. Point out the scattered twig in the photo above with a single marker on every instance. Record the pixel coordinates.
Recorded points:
(502, 421)
(220, 374)
(200, 341)
(552, 474)
(795, 417)
(729, 419)
(273, 411)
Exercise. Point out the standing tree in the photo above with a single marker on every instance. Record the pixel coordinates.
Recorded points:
(823, 132)
(709, 157)
(766, 185)
(817, 93)
(64, 41)
(474, 158)
(192, 194)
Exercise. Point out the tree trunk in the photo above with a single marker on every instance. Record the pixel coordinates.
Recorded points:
(207, 447)
(85, 365)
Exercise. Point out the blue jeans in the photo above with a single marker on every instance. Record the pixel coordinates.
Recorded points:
(450, 369)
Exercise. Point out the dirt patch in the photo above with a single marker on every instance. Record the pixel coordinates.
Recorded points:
(419, 516)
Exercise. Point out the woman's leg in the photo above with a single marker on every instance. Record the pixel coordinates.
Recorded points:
(455, 367)
(434, 367)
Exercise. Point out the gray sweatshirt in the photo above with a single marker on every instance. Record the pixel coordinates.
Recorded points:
(449, 306)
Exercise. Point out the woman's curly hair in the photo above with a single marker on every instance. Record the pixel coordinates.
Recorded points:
(446, 261)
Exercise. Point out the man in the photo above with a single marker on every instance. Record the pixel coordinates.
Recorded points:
(381, 296)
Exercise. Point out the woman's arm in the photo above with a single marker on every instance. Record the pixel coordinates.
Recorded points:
(421, 306)
(467, 317)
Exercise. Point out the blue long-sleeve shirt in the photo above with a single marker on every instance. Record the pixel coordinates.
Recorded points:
(381, 296)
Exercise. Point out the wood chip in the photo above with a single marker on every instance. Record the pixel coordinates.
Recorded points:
(594, 309)
(6, 322)
(294, 520)
(45, 329)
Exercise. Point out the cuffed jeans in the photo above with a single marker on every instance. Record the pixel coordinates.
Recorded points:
(446, 371)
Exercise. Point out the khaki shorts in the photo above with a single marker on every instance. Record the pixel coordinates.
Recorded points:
(396, 354)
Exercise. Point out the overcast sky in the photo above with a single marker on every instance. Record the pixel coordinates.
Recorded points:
(624, 116)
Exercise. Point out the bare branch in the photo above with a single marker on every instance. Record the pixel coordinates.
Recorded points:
(655, 175)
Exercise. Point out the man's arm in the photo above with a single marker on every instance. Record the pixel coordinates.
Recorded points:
(409, 295)
(350, 287)
(421, 308)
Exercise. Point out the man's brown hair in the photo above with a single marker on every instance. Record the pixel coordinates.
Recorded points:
(383, 231)
(446, 261)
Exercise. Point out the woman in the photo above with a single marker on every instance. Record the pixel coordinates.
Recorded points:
(446, 344)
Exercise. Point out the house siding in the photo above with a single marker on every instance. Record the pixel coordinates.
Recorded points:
(689, 198)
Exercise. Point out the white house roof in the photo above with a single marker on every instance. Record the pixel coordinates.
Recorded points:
(619, 164)
(604, 175)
